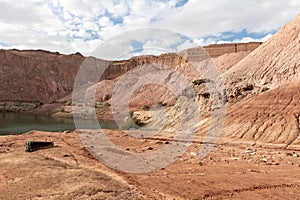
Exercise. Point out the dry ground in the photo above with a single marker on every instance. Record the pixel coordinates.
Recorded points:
(67, 171)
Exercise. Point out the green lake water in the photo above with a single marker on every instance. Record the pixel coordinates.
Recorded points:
(18, 123)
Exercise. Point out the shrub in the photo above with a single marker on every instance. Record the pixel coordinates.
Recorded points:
(132, 122)
(106, 104)
(145, 107)
(131, 113)
(68, 103)
(160, 103)
(54, 101)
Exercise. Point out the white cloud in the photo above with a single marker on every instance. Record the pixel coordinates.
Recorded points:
(105, 21)
(243, 40)
(188, 44)
(69, 26)
(85, 8)
(199, 18)
(119, 10)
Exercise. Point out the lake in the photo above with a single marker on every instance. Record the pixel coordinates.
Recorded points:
(18, 123)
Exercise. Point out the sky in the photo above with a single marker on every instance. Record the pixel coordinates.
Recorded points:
(70, 26)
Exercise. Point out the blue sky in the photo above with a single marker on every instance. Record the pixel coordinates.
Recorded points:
(70, 26)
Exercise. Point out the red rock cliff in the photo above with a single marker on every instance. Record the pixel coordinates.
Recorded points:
(43, 77)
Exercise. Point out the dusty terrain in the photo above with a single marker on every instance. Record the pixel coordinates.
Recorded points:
(256, 157)
(67, 171)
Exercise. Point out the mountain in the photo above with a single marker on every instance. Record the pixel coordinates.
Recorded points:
(35, 77)
(31, 78)
(273, 64)
(271, 113)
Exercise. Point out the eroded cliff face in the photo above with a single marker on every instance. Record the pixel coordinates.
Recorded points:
(36, 76)
(217, 50)
(32, 78)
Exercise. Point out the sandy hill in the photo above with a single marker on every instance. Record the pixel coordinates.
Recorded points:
(274, 63)
(273, 68)
(226, 61)
(272, 117)
(263, 91)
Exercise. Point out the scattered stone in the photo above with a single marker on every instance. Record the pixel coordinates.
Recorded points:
(265, 89)
(248, 87)
(253, 170)
(193, 154)
(200, 81)
(248, 150)
(205, 95)
(31, 146)
(272, 163)
(264, 160)
(295, 155)
(68, 131)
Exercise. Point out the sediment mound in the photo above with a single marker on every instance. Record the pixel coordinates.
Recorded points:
(272, 117)
(269, 76)
(226, 61)
(274, 63)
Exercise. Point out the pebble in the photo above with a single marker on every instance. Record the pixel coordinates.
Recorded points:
(193, 154)
(264, 160)
(295, 155)
(235, 158)
(253, 170)
(248, 150)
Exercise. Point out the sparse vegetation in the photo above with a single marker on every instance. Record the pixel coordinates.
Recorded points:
(54, 101)
(137, 121)
(131, 112)
(68, 103)
(106, 104)
(145, 107)
(132, 122)
(160, 103)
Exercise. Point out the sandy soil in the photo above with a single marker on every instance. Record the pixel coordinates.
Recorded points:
(68, 171)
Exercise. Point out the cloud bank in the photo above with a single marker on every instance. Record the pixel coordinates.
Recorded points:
(70, 26)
